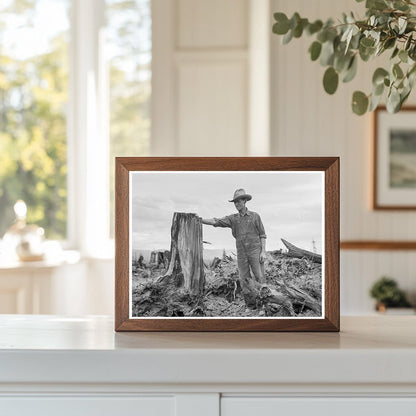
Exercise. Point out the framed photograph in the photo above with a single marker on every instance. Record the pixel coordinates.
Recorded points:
(394, 180)
(227, 244)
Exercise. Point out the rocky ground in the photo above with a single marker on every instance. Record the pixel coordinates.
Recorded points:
(222, 296)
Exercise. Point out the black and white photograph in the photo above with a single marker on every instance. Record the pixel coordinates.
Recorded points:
(227, 244)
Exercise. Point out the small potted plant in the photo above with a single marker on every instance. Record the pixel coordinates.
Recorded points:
(387, 294)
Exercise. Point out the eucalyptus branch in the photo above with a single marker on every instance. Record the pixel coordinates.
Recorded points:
(388, 26)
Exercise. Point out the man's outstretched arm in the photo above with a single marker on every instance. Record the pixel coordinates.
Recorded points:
(208, 221)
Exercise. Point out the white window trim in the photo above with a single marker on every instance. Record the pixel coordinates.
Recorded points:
(88, 140)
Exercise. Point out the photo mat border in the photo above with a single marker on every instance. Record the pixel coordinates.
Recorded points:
(330, 320)
(131, 173)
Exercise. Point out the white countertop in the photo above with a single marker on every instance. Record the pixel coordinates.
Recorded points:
(53, 349)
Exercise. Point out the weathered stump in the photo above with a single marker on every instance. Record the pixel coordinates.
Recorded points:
(186, 260)
(160, 258)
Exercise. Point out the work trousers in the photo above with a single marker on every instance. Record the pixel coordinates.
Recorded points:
(248, 258)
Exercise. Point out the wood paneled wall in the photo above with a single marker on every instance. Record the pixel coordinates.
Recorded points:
(308, 122)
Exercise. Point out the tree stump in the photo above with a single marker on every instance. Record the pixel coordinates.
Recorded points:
(186, 250)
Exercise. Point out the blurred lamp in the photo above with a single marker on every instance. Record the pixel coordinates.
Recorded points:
(25, 241)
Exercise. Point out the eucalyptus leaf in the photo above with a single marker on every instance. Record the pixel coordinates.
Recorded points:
(327, 54)
(367, 42)
(393, 101)
(351, 70)
(315, 50)
(408, 42)
(322, 36)
(400, 5)
(376, 4)
(374, 102)
(359, 103)
(330, 80)
(341, 62)
(397, 71)
(288, 37)
(395, 52)
(389, 43)
(378, 89)
(366, 53)
(314, 27)
(294, 21)
(379, 75)
(402, 22)
(298, 30)
(281, 26)
(403, 56)
(404, 95)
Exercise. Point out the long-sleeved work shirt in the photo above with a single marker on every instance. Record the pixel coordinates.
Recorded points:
(244, 225)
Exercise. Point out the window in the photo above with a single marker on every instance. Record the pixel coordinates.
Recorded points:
(33, 97)
(75, 87)
(129, 46)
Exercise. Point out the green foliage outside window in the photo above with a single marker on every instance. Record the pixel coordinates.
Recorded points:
(33, 97)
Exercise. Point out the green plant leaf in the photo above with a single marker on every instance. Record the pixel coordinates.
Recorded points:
(379, 75)
(408, 42)
(359, 103)
(376, 4)
(393, 101)
(403, 56)
(395, 52)
(288, 37)
(330, 80)
(314, 27)
(315, 50)
(351, 70)
(327, 53)
(374, 101)
(341, 61)
(389, 43)
(367, 42)
(281, 27)
(400, 5)
(397, 71)
(378, 89)
(402, 22)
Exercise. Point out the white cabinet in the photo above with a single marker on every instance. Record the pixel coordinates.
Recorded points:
(80, 366)
(325, 406)
(88, 406)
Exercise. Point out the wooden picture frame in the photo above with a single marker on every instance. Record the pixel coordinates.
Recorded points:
(283, 180)
(394, 157)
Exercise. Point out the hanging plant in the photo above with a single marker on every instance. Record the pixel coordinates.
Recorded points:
(388, 27)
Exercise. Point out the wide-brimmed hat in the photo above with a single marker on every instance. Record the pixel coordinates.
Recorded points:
(240, 194)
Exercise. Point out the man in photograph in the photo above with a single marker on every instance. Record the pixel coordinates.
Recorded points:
(248, 231)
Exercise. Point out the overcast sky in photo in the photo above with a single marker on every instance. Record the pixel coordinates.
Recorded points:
(290, 205)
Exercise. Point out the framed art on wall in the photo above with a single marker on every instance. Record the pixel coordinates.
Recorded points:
(227, 244)
(394, 180)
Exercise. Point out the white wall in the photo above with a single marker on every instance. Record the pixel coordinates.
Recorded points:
(211, 92)
(308, 122)
(203, 84)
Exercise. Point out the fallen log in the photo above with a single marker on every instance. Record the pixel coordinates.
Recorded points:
(301, 253)
(300, 297)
